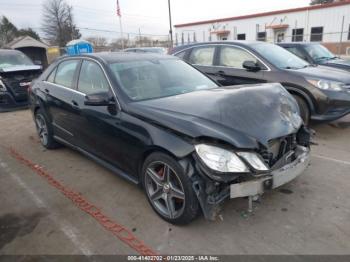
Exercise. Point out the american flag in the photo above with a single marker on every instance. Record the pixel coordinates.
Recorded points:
(118, 9)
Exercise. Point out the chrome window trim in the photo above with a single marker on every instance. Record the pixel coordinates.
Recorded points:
(80, 93)
(229, 45)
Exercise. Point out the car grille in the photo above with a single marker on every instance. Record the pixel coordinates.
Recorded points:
(277, 148)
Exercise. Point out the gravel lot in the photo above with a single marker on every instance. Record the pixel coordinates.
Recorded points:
(311, 215)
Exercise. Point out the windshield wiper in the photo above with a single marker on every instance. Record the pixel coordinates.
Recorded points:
(324, 58)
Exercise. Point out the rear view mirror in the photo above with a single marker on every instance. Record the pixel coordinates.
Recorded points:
(98, 99)
(251, 66)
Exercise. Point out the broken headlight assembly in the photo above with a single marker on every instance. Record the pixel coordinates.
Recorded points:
(225, 161)
(2, 86)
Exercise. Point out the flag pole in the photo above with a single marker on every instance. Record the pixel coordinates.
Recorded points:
(121, 31)
(119, 14)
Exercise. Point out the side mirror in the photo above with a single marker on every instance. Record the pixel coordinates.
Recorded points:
(98, 99)
(251, 66)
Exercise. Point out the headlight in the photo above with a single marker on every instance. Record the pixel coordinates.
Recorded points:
(220, 159)
(327, 85)
(254, 160)
(2, 86)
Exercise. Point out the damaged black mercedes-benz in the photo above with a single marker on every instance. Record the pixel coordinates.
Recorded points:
(159, 122)
(17, 72)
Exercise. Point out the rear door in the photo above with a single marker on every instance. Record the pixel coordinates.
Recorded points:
(229, 66)
(59, 88)
(202, 58)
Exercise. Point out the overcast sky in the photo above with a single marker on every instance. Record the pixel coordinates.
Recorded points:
(150, 16)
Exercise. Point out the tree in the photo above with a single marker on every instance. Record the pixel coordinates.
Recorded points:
(28, 31)
(58, 23)
(7, 31)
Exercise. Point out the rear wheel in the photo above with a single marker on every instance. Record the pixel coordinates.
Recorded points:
(169, 189)
(44, 129)
(304, 109)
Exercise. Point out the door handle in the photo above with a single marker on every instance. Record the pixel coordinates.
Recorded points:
(75, 105)
(220, 73)
(47, 90)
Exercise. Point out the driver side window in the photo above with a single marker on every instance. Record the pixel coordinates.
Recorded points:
(234, 57)
(92, 79)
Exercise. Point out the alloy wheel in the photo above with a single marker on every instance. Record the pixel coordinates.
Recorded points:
(165, 190)
(42, 129)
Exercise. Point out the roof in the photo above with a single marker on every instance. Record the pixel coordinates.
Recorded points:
(26, 41)
(297, 43)
(243, 43)
(292, 10)
(115, 57)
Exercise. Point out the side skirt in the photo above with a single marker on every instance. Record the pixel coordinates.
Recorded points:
(99, 161)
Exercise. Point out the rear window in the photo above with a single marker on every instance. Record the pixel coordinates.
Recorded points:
(202, 55)
(66, 72)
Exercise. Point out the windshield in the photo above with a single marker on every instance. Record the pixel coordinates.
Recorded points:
(9, 59)
(279, 57)
(150, 79)
(319, 52)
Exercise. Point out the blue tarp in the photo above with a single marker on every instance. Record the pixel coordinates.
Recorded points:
(77, 47)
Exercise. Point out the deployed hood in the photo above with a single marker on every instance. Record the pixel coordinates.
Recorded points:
(20, 68)
(324, 72)
(239, 115)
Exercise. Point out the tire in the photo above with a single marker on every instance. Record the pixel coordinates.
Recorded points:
(166, 185)
(304, 109)
(45, 130)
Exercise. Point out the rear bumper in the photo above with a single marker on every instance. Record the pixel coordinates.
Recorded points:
(8, 103)
(274, 179)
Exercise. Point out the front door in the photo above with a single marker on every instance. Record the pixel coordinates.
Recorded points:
(98, 127)
(59, 88)
(230, 69)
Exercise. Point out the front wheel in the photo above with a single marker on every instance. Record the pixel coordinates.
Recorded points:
(169, 189)
(304, 109)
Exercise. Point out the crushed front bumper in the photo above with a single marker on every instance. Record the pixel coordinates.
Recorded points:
(274, 179)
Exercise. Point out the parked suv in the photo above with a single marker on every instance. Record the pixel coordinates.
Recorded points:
(322, 93)
(160, 123)
(17, 72)
(317, 54)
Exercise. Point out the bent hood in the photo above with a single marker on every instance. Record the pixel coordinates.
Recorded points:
(239, 115)
(323, 72)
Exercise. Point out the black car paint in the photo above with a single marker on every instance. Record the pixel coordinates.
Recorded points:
(16, 80)
(323, 105)
(121, 135)
(335, 62)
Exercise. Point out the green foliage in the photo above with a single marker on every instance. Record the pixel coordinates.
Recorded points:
(8, 31)
(29, 32)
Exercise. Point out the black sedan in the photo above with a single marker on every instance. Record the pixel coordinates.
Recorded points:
(160, 123)
(322, 93)
(317, 54)
(16, 74)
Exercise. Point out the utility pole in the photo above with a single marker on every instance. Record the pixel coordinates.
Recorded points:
(170, 26)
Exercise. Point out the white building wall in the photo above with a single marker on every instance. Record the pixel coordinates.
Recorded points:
(329, 18)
